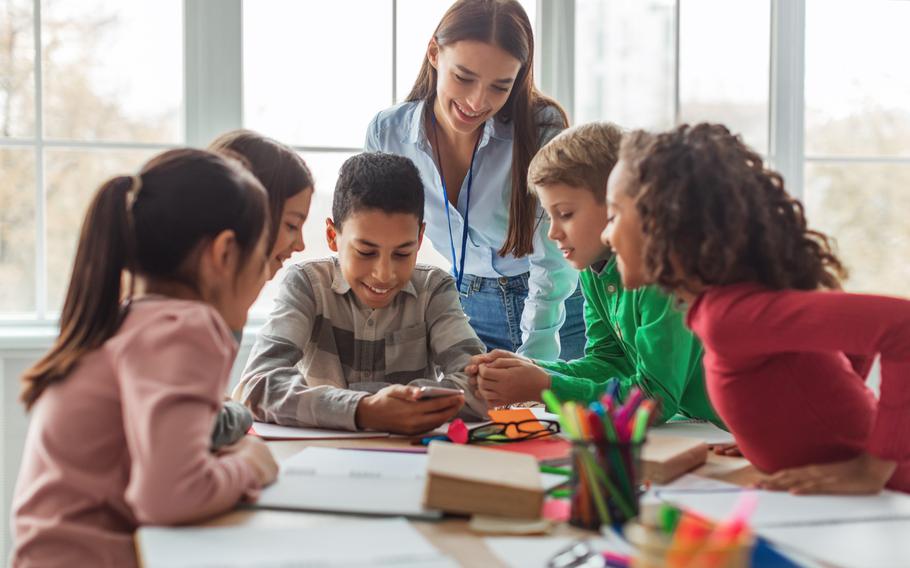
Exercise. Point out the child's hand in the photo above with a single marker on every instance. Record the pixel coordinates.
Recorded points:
(509, 380)
(396, 409)
(730, 450)
(860, 475)
(477, 360)
(254, 452)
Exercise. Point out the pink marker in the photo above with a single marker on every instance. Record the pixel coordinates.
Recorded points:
(626, 411)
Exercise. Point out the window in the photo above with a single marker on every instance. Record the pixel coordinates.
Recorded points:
(82, 98)
(724, 70)
(320, 91)
(624, 62)
(857, 137)
(90, 89)
(637, 66)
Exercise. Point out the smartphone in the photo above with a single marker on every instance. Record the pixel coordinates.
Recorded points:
(436, 392)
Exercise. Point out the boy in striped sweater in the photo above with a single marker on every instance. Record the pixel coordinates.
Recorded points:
(352, 338)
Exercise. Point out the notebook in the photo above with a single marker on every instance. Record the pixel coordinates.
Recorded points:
(276, 432)
(350, 481)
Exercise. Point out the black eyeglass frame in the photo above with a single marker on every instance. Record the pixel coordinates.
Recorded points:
(500, 435)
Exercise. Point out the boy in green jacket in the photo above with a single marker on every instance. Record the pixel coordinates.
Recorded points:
(636, 336)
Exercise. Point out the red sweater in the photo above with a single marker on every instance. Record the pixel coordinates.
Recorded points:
(786, 372)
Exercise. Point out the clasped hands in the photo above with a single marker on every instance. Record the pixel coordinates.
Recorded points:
(501, 377)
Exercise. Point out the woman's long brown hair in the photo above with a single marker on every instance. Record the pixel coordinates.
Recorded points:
(149, 225)
(505, 24)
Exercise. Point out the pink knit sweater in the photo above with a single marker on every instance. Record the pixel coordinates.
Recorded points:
(124, 441)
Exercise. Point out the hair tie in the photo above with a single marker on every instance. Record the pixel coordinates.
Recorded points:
(133, 192)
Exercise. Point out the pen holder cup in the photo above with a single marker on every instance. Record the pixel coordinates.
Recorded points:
(655, 549)
(606, 483)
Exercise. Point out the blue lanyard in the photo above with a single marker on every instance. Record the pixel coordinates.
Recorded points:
(457, 272)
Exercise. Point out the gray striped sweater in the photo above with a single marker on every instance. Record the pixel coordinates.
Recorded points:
(321, 350)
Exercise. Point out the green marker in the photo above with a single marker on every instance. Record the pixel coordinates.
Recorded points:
(551, 401)
(554, 407)
(556, 470)
(641, 423)
(668, 517)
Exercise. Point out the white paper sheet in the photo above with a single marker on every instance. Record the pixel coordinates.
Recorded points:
(526, 552)
(872, 544)
(350, 481)
(275, 432)
(778, 509)
(552, 480)
(380, 542)
(704, 431)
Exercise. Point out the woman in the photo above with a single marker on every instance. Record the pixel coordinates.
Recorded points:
(471, 125)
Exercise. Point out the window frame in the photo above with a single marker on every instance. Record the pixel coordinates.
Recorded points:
(213, 103)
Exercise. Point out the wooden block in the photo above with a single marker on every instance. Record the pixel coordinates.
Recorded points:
(472, 480)
(664, 458)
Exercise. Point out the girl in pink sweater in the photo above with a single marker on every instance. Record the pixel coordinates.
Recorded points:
(786, 352)
(122, 406)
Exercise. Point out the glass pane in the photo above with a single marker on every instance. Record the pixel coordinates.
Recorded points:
(857, 84)
(313, 74)
(729, 85)
(17, 69)
(865, 207)
(624, 68)
(417, 20)
(113, 70)
(71, 179)
(17, 230)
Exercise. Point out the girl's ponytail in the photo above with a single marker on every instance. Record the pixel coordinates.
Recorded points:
(91, 311)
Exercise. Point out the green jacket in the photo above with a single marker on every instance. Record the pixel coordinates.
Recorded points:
(639, 337)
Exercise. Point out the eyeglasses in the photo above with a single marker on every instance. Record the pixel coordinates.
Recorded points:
(503, 432)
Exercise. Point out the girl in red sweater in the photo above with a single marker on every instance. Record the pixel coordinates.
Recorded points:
(786, 352)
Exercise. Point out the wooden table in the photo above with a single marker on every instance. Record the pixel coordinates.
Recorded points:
(451, 534)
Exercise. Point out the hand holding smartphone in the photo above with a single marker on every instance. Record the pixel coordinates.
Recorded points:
(436, 392)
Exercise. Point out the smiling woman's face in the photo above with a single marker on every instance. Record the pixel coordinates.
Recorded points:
(474, 80)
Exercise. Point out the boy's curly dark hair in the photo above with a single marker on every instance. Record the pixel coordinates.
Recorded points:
(712, 212)
(378, 181)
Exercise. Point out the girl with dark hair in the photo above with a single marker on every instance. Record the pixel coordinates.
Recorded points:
(287, 181)
(786, 352)
(288, 184)
(122, 405)
(471, 125)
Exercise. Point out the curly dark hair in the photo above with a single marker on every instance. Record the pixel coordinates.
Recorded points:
(712, 212)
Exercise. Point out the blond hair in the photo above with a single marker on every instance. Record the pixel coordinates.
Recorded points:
(580, 157)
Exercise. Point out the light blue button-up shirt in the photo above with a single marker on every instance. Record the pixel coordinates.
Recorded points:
(400, 130)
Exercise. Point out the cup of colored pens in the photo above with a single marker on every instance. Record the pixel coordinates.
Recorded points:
(607, 438)
(667, 537)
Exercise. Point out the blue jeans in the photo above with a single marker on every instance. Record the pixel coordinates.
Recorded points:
(494, 306)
